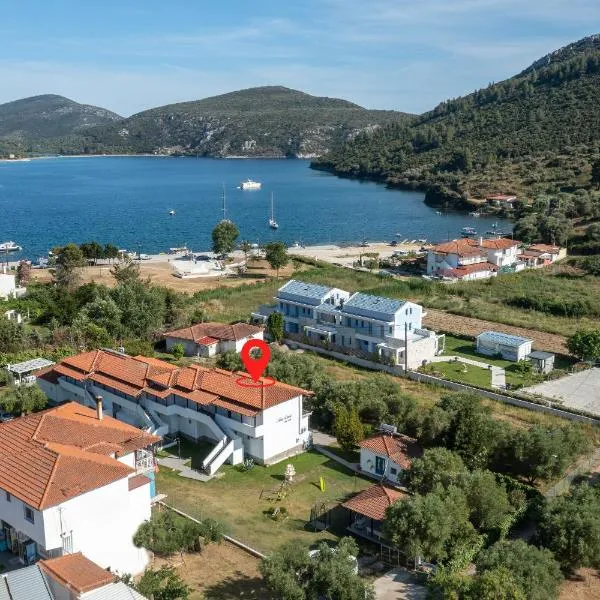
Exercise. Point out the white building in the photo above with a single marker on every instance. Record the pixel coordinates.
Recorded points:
(387, 456)
(72, 479)
(210, 339)
(265, 421)
(8, 287)
(371, 326)
(510, 347)
(468, 259)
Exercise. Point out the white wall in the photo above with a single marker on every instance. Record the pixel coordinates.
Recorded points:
(103, 522)
(7, 285)
(13, 513)
(367, 464)
(282, 424)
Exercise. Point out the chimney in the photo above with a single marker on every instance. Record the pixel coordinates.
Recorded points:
(99, 407)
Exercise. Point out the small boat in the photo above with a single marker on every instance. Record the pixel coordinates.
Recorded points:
(171, 212)
(438, 212)
(273, 224)
(178, 250)
(468, 232)
(475, 214)
(250, 185)
(10, 247)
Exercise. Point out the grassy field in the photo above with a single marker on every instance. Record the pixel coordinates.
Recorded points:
(240, 499)
(220, 572)
(557, 299)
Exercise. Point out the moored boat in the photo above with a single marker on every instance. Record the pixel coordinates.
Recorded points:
(249, 184)
(10, 246)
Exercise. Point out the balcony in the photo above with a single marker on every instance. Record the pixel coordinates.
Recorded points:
(144, 462)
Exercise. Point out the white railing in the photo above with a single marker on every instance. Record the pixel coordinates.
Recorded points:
(218, 460)
(144, 464)
(211, 455)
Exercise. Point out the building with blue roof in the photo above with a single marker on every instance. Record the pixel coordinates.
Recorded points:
(509, 347)
(382, 328)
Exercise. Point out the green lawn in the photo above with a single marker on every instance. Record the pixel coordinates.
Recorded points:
(239, 499)
(463, 373)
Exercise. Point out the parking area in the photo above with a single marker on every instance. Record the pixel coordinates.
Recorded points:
(398, 584)
(580, 390)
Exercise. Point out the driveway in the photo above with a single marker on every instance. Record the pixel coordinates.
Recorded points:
(397, 584)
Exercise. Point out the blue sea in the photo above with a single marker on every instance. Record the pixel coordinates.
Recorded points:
(126, 201)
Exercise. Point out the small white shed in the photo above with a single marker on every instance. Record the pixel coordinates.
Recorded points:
(510, 347)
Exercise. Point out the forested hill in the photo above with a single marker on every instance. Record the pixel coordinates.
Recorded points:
(535, 133)
(263, 121)
(48, 116)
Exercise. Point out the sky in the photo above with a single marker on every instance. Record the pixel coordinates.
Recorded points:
(407, 55)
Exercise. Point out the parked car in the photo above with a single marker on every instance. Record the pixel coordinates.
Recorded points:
(5, 416)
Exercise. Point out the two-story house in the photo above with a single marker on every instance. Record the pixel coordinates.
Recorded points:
(264, 420)
(369, 325)
(468, 259)
(73, 479)
(210, 339)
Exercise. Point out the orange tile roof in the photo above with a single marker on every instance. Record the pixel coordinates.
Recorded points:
(207, 341)
(132, 375)
(545, 248)
(137, 481)
(465, 270)
(499, 244)
(374, 501)
(77, 573)
(54, 455)
(462, 247)
(399, 448)
(217, 331)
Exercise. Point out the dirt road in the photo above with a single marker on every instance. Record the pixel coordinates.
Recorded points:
(438, 320)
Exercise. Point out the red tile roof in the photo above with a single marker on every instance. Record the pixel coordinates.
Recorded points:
(465, 270)
(54, 455)
(374, 501)
(545, 248)
(77, 573)
(401, 449)
(133, 375)
(218, 331)
(137, 481)
(499, 244)
(207, 341)
(462, 247)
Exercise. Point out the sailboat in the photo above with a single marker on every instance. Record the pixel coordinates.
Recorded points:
(224, 209)
(272, 222)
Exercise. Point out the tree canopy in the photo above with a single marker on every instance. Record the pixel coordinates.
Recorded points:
(292, 574)
(224, 237)
(534, 570)
(570, 527)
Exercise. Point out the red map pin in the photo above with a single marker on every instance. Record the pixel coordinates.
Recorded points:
(255, 366)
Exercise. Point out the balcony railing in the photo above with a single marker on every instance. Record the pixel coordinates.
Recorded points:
(144, 464)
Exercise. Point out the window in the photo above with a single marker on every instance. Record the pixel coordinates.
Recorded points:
(394, 471)
(379, 465)
(7, 496)
(28, 513)
(67, 542)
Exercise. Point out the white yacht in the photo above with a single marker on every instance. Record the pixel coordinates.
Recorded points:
(250, 185)
(10, 247)
(273, 224)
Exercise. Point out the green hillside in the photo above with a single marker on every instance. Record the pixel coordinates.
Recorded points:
(534, 134)
(264, 121)
(27, 122)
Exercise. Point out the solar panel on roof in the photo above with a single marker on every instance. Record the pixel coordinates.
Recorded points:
(503, 338)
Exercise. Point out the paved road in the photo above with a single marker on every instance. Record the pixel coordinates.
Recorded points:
(397, 584)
